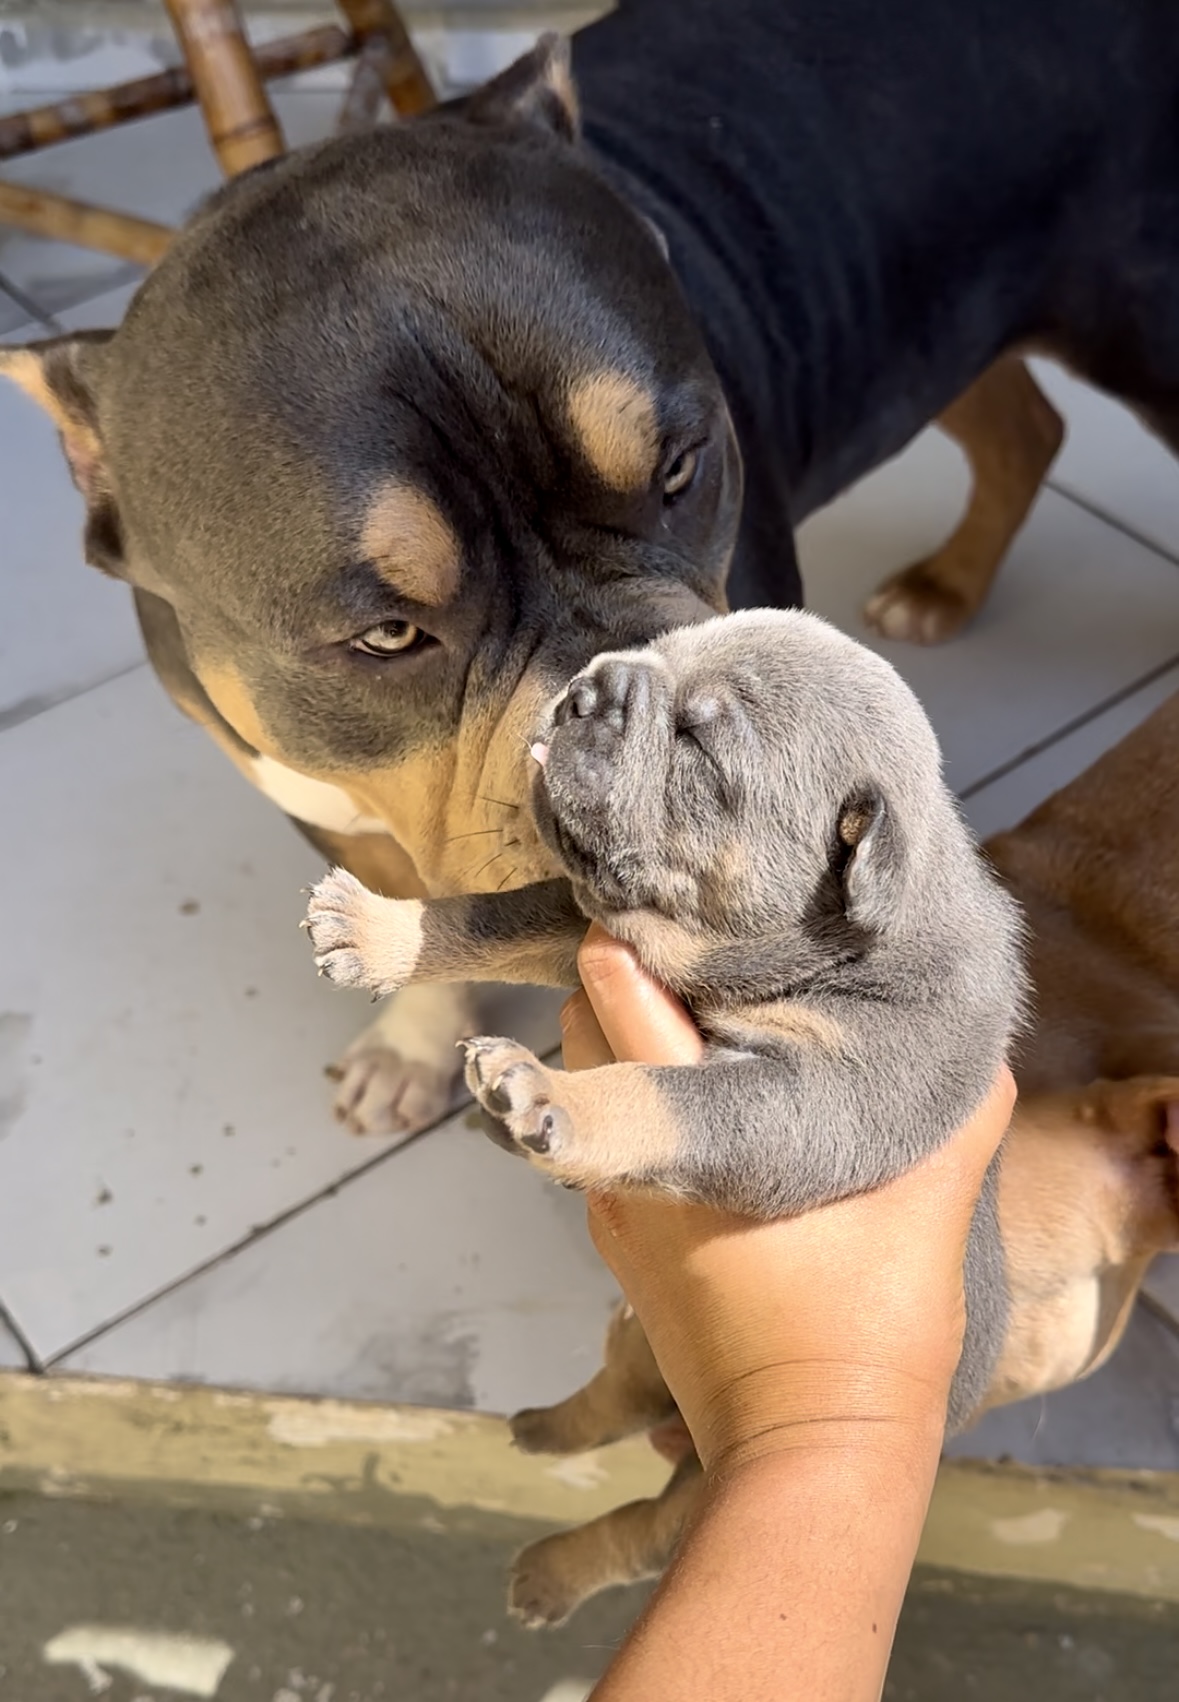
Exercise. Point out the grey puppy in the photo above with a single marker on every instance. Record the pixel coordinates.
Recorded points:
(756, 805)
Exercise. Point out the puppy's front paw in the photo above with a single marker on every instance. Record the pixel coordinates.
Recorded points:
(359, 939)
(514, 1087)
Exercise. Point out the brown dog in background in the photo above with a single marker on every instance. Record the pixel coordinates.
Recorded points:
(1089, 1189)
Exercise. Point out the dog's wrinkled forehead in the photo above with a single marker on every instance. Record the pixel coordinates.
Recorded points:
(465, 313)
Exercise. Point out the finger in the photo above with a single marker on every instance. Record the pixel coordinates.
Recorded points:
(642, 1021)
(979, 1140)
(583, 1045)
(961, 1163)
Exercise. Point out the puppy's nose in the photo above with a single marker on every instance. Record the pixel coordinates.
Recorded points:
(579, 702)
(608, 694)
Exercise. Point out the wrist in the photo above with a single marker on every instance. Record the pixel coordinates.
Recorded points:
(867, 1416)
(845, 1469)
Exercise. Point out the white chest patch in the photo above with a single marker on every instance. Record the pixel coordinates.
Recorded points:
(313, 801)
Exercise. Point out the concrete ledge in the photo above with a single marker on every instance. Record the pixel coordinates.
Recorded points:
(356, 1462)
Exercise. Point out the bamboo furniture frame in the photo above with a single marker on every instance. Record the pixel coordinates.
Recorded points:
(228, 79)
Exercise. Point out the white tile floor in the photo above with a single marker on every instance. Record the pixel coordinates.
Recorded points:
(175, 1199)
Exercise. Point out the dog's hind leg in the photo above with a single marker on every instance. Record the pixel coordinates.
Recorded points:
(627, 1395)
(552, 1577)
(1010, 434)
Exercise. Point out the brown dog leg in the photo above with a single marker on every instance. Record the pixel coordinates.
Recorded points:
(552, 1577)
(1010, 434)
(1088, 1194)
(626, 1396)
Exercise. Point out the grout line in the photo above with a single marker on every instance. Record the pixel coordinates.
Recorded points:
(257, 1232)
(260, 1232)
(1069, 727)
(30, 707)
(35, 1363)
(1140, 538)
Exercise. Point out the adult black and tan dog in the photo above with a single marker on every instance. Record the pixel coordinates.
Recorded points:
(409, 425)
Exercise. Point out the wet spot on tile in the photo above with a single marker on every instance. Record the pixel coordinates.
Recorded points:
(432, 1365)
(16, 1027)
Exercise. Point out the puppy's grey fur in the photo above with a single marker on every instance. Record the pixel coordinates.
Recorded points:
(756, 804)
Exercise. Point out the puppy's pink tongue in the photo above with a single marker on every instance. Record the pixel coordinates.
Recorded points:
(539, 753)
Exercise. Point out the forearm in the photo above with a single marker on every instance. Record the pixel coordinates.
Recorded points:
(529, 935)
(789, 1583)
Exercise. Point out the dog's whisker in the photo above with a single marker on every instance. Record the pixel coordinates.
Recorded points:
(502, 803)
(505, 880)
(493, 858)
(474, 833)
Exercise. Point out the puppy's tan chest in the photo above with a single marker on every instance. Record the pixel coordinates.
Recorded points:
(316, 802)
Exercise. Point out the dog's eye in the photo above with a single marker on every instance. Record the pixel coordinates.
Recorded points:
(680, 474)
(388, 638)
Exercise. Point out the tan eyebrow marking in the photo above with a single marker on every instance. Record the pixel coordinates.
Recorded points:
(613, 417)
(411, 543)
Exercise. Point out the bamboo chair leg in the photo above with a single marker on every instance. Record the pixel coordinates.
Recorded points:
(103, 109)
(54, 216)
(238, 115)
(362, 103)
(406, 82)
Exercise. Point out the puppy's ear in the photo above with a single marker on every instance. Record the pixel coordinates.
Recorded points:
(62, 375)
(537, 89)
(868, 860)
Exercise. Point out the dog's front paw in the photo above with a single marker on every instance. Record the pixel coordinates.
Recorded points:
(380, 1092)
(515, 1088)
(402, 1074)
(918, 606)
(359, 939)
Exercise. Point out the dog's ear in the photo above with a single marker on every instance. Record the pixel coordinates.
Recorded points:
(62, 374)
(537, 89)
(868, 860)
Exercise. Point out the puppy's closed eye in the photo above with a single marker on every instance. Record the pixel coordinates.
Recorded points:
(697, 710)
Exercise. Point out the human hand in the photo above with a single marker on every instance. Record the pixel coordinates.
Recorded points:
(843, 1326)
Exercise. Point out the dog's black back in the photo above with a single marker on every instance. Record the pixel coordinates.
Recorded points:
(868, 204)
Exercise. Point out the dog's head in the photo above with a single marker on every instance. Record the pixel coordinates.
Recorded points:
(747, 801)
(403, 429)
